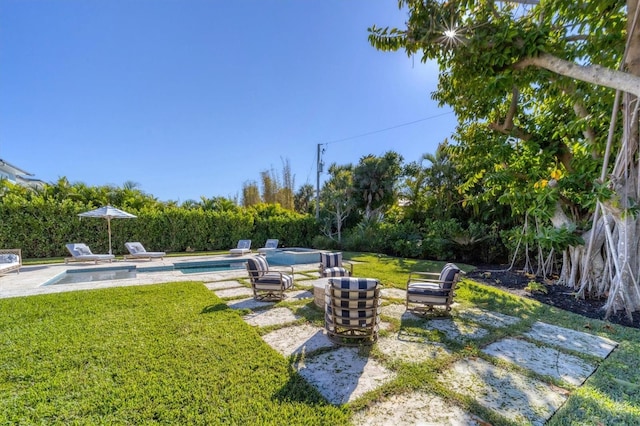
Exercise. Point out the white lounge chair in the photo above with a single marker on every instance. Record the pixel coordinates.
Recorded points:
(10, 260)
(82, 253)
(137, 251)
(270, 245)
(244, 247)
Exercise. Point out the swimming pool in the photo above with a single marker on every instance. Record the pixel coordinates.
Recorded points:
(75, 276)
(208, 266)
(293, 256)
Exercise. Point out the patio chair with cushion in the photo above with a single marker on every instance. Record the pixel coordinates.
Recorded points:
(427, 289)
(352, 310)
(137, 251)
(332, 265)
(80, 252)
(267, 283)
(10, 260)
(270, 245)
(243, 247)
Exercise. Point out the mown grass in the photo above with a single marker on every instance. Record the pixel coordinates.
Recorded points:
(165, 354)
(176, 354)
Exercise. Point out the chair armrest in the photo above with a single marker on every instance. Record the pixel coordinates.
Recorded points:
(346, 263)
(423, 276)
(288, 269)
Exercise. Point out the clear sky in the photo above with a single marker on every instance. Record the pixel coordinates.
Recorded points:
(192, 98)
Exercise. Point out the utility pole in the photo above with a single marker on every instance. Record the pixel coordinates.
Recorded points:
(319, 165)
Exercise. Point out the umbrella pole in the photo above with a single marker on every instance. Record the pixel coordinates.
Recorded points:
(109, 229)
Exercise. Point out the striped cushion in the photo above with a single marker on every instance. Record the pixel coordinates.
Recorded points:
(257, 266)
(448, 274)
(331, 260)
(418, 289)
(274, 281)
(352, 301)
(336, 271)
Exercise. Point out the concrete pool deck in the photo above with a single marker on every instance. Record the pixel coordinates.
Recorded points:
(31, 278)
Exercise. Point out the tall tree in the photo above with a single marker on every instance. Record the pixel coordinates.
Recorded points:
(250, 194)
(337, 198)
(303, 199)
(538, 73)
(376, 181)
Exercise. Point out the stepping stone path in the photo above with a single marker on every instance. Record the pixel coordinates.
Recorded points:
(545, 349)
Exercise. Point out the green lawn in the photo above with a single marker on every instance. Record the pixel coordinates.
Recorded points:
(171, 353)
(176, 354)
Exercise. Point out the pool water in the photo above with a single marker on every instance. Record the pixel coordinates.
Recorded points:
(75, 276)
(207, 266)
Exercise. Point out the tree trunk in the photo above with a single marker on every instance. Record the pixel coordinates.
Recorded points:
(609, 265)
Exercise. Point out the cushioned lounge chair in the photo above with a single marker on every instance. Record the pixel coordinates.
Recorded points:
(10, 260)
(270, 245)
(332, 265)
(82, 253)
(425, 290)
(268, 283)
(137, 251)
(244, 247)
(352, 310)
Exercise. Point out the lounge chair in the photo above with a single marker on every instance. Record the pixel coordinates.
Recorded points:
(428, 289)
(352, 310)
(332, 265)
(244, 247)
(10, 260)
(270, 245)
(267, 283)
(82, 253)
(137, 251)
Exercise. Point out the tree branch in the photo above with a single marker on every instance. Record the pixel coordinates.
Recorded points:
(595, 74)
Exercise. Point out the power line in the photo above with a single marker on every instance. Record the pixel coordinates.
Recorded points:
(387, 129)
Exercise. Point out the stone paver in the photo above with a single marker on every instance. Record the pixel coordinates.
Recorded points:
(249, 303)
(570, 339)
(393, 293)
(415, 409)
(418, 350)
(342, 375)
(492, 319)
(456, 330)
(300, 339)
(234, 292)
(519, 398)
(398, 312)
(269, 317)
(542, 359)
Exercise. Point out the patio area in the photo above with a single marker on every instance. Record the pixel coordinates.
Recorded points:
(568, 356)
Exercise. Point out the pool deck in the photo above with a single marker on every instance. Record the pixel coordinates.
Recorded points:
(31, 278)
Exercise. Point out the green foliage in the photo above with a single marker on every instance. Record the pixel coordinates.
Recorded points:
(536, 287)
(375, 182)
(42, 222)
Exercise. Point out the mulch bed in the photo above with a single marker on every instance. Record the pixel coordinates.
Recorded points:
(562, 297)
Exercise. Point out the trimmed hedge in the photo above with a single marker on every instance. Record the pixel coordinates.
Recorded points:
(41, 229)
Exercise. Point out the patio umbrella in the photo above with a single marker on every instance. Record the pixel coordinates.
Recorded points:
(108, 213)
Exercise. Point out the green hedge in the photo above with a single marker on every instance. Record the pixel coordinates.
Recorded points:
(41, 229)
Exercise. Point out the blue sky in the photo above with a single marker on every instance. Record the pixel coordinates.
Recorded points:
(192, 98)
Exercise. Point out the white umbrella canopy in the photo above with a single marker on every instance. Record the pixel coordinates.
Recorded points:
(108, 213)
